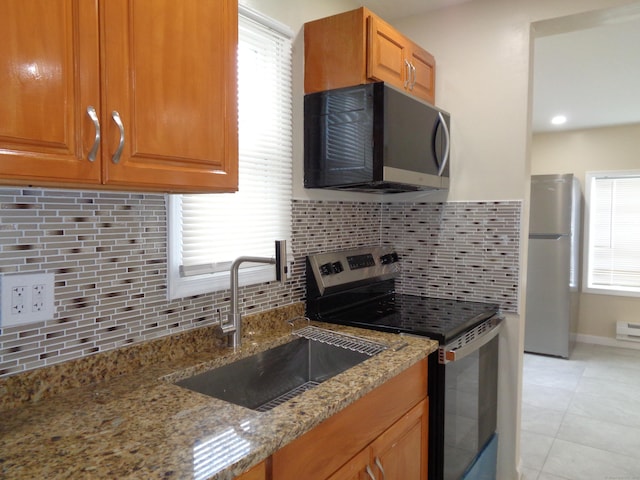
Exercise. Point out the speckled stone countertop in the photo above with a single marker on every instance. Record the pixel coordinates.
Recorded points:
(138, 424)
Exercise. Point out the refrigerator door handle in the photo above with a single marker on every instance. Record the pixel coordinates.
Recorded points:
(547, 236)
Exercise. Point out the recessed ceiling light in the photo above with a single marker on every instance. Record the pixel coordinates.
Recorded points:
(559, 120)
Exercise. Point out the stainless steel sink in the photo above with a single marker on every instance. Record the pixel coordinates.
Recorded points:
(267, 379)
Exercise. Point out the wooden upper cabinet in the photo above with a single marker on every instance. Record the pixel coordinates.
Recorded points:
(49, 76)
(335, 51)
(160, 75)
(387, 53)
(357, 47)
(423, 82)
(170, 71)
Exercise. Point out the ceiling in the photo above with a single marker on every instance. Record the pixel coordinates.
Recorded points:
(591, 76)
(586, 66)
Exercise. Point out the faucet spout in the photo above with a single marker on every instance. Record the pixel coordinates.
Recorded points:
(233, 326)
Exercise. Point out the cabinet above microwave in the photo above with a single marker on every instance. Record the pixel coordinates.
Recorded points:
(357, 47)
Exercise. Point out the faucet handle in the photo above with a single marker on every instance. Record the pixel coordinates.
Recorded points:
(281, 260)
(229, 326)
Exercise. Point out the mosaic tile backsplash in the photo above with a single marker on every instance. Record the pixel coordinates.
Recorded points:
(460, 250)
(108, 253)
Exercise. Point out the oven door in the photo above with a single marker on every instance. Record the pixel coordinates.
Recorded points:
(470, 406)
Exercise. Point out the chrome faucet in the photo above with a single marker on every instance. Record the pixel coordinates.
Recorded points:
(233, 326)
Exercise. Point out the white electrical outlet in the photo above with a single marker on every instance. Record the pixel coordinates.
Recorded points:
(17, 300)
(38, 297)
(26, 298)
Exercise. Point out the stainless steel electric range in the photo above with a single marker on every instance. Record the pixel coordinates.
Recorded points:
(357, 287)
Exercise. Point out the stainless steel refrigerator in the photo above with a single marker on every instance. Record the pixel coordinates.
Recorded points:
(552, 272)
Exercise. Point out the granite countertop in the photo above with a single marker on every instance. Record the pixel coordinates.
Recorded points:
(140, 425)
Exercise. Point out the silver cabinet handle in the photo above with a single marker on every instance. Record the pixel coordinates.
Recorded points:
(370, 473)
(445, 157)
(91, 111)
(116, 118)
(379, 465)
(408, 79)
(413, 81)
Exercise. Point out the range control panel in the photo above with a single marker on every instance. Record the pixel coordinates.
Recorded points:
(334, 271)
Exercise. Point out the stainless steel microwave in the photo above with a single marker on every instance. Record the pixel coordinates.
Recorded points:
(374, 138)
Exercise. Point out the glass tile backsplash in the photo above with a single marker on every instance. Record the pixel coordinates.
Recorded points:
(108, 253)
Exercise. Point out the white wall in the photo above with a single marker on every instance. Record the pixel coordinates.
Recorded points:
(483, 54)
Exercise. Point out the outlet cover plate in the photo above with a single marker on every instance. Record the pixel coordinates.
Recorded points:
(26, 298)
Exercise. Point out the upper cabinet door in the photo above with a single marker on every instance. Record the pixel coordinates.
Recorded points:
(423, 81)
(49, 67)
(387, 53)
(169, 94)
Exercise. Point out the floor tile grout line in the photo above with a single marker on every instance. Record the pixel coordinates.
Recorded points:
(555, 437)
(587, 357)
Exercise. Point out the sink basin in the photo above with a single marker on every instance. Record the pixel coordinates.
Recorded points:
(267, 379)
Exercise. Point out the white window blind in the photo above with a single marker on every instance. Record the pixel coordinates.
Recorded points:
(614, 232)
(208, 232)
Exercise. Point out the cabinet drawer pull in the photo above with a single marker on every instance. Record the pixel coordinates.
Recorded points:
(91, 111)
(370, 473)
(379, 465)
(116, 118)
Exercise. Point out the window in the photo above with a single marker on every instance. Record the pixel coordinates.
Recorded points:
(207, 232)
(613, 233)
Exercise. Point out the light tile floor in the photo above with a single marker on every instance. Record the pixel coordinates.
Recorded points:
(581, 417)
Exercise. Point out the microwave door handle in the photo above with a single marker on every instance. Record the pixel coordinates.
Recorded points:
(445, 157)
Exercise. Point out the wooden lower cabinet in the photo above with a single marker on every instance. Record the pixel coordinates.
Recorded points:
(259, 472)
(401, 450)
(397, 454)
(387, 429)
(356, 468)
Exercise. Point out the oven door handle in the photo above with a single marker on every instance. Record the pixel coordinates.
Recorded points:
(470, 341)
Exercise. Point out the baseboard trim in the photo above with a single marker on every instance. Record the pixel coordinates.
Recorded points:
(606, 341)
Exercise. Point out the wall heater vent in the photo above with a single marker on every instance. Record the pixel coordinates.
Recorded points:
(629, 331)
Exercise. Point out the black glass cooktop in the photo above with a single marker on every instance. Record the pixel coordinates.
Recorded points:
(437, 318)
